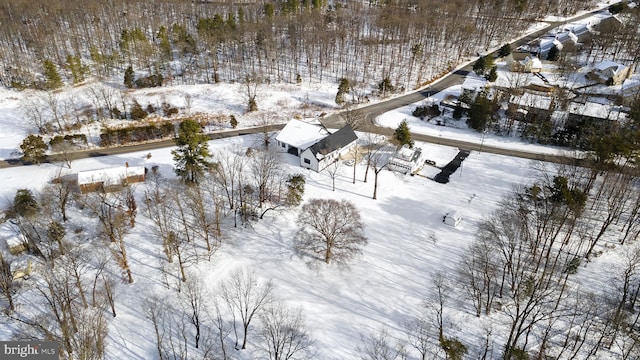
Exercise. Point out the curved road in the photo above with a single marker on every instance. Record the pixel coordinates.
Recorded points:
(370, 113)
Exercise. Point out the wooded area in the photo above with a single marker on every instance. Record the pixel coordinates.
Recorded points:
(184, 42)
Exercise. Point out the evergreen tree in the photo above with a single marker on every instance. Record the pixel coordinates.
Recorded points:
(479, 66)
(33, 149)
(458, 111)
(54, 81)
(402, 135)
(505, 50)
(493, 74)
(129, 77)
(192, 155)
(137, 112)
(233, 122)
(295, 189)
(165, 43)
(24, 203)
(343, 88)
(480, 112)
(385, 86)
(553, 54)
(78, 71)
(489, 62)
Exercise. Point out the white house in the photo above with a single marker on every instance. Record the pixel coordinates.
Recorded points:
(110, 178)
(324, 152)
(297, 136)
(406, 160)
(524, 62)
(609, 72)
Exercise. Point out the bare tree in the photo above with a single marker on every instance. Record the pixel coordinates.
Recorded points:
(330, 230)
(333, 172)
(33, 108)
(378, 158)
(245, 297)
(193, 301)
(58, 194)
(7, 287)
(114, 224)
(353, 117)
(378, 347)
(266, 169)
(154, 311)
(250, 91)
(222, 329)
(227, 172)
(420, 336)
(284, 333)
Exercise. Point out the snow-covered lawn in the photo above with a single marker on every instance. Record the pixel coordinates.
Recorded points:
(382, 288)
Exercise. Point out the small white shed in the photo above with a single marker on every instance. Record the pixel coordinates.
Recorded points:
(452, 218)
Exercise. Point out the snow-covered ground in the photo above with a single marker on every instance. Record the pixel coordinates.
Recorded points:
(383, 288)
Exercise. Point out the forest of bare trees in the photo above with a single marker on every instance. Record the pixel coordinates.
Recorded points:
(403, 42)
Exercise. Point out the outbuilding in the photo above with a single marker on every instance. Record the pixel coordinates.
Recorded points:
(452, 218)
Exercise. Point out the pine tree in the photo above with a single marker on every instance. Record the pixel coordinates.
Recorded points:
(78, 71)
(295, 189)
(233, 122)
(137, 112)
(493, 74)
(129, 77)
(33, 149)
(54, 81)
(192, 155)
(505, 50)
(489, 62)
(402, 135)
(24, 203)
(480, 112)
(343, 88)
(479, 66)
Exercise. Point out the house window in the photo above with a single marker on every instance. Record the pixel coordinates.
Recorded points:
(307, 161)
(283, 145)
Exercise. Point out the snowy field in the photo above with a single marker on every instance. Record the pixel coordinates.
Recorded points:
(383, 288)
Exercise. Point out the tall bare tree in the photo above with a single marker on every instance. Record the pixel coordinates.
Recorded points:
(245, 298)
(284, 334)
(330, 230)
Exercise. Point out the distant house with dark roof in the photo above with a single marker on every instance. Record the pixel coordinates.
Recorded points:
(579, 31)
(328, 150)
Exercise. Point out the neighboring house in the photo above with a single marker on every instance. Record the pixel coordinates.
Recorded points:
(565, 39)
(524, 62)
(324, 152)
(610, 73)
(530, 106)
(406, 160)
(110, 179)
(594, 112)
(297, 136)
(580, 32)
(542, 46)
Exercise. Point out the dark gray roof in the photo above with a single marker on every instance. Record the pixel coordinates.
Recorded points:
(335, 141)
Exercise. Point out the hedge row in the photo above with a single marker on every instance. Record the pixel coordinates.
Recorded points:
(132, 134)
